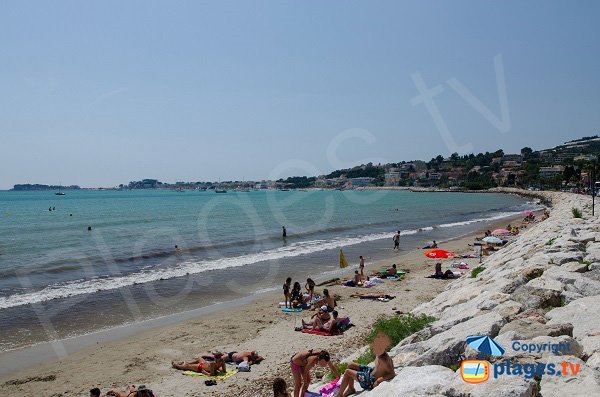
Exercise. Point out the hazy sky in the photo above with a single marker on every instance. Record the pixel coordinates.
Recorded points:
(101, 93)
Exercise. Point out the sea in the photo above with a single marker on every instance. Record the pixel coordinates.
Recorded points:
(97, 259)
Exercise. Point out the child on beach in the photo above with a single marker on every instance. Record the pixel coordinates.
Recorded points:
(302, 362)
(280, 388)
(310, 288)
(286, 291)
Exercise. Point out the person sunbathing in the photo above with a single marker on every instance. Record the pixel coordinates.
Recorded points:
(251, 357)
(329, 326)
(372, 296)
(132, 391)
(202, 366)
(431, 246)
(369, 377)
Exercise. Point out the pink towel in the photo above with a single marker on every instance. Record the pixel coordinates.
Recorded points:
(330, 389)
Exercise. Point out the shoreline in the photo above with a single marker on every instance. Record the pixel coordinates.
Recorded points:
(263, 307)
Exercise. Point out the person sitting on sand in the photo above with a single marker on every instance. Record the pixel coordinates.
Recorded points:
(392, 271)
(302, 362)
(327, 300)
(431, 246)
(280, 388)
(368, 377)
(440, 274)
(132, 391)
(318, 324)
(296, 296)
(310, 288)
(202, 366)
(355, 282)
(251, 357)
(317, 319)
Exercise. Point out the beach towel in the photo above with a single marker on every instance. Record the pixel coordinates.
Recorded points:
(311, 394)
(331, 388)
(228, 374)
(315, 332)
(291, 310)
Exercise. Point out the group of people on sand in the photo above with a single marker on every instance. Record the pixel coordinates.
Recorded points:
(368, 377)
(293, 295)
(215, 363)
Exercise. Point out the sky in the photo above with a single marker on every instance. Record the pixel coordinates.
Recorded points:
(105, 92)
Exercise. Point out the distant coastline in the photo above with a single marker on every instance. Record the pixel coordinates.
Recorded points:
(38, 187)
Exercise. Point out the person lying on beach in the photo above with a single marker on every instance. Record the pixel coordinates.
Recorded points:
(132, 391)
(202, 366)
(327, 300)
(251, 357)
(280, 388)
(372, 296)
(369, 377)
(302, 362)
(355, 282)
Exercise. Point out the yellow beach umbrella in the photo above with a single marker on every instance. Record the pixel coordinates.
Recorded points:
(343, 261)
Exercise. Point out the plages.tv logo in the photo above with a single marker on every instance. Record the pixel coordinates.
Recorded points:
(478, 371)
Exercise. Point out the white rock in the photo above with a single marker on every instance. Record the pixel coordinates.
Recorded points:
(503, 386)
(583, 313)
(584, 384)
(414, 381)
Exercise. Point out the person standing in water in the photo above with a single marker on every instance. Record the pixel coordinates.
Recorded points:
(284, 232)
(396, 239)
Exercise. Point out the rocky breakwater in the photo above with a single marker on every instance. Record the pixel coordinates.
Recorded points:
(541, 290)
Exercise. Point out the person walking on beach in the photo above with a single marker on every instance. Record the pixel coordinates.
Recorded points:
(286, 291)
(302, 362)
(396, 239)
(361, 267)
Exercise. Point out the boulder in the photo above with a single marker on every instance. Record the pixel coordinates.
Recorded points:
(445, 348)
(502, 386)
(594, 266)
(591, 344)
(559, 258)
(534, 297)
(585, 383)
(530, 328)
(583, 313)
(594, 361)
(414, 381)
(579, 267)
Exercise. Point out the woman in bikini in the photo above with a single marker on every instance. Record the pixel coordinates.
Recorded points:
(202, 366)
(301, 364)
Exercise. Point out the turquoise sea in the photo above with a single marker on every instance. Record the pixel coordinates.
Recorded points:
(59, 279)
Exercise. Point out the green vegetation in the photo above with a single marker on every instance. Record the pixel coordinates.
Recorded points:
(394, 327)
(476, 271)
(576, 212)
(551, 241)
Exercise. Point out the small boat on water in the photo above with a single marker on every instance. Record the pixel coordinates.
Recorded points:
(59, 193)
(220, 191)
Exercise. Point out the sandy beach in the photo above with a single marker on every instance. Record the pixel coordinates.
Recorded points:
(145, 357)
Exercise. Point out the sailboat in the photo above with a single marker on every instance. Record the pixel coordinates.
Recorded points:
(59, 193)
(219, 189)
